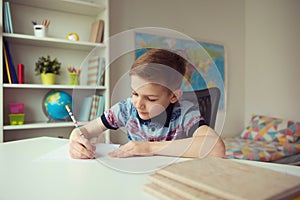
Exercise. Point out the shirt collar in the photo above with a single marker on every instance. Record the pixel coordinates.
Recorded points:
(161, 118)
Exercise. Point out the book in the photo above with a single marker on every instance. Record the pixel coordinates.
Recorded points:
(8, 27)
(97, 31)
(13, 74)
(8, 75)
(5, 19)
(226, 179)
(93, 66)
(101, 106)
(94, 107)
(100, 35)
(85, 109)
(101, 71)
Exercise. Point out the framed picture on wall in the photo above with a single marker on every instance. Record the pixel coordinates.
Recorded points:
(206, 61)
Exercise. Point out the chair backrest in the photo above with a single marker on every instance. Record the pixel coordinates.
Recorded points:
(208, 101)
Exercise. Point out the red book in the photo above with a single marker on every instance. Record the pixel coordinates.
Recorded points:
(20, 73)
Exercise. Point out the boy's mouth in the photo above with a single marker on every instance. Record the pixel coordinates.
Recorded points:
(143, 113)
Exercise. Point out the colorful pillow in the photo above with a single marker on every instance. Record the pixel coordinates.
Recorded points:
(292, 131)
(265, 128)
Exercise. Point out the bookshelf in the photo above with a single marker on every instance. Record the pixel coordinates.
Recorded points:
(66, 16)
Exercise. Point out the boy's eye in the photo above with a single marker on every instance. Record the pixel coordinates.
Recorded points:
(134, 93)
(152, 100)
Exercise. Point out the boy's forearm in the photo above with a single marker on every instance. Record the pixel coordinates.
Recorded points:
(204, 142)
(93, 129)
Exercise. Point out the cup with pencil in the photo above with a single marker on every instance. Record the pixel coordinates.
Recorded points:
(41, 30)
(74, 75)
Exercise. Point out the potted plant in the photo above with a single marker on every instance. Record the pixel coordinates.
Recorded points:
(47, 68)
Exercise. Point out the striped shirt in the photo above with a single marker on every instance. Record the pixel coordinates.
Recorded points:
(179, 120)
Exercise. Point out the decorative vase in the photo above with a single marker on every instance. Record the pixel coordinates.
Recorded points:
(74, 79)
(48, 78)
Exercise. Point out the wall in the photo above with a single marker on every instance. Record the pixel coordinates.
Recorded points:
(213, 20)
(272, 58)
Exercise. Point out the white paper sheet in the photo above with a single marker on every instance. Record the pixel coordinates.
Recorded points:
(62, 153)
(138, 164)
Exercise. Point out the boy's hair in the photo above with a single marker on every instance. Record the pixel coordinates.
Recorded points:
(160, 66)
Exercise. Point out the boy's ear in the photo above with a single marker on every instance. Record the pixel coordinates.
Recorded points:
(176, 95)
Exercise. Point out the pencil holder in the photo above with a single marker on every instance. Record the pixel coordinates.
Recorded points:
(40, 30)
(74, 79)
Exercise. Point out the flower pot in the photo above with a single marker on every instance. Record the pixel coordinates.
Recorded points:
(48, 78)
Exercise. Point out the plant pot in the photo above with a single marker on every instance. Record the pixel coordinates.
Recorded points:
(48, 78)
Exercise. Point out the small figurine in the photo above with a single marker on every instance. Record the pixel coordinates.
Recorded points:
(72, 36)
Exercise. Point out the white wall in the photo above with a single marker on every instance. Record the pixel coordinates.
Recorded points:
(213, 20)
(272, 58)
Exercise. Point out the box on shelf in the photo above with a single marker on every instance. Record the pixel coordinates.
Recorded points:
(16, 108)
(16, 119)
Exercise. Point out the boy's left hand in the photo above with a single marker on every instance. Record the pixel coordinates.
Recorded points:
(132, 148)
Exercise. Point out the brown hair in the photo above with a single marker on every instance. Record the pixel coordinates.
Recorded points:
(160, 66)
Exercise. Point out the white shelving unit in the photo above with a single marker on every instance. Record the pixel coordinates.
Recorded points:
(66, 16)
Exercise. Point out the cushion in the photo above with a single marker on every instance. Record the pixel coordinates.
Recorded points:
(265, 128)
(259, 150)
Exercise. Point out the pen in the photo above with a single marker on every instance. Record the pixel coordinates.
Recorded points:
(74, 120)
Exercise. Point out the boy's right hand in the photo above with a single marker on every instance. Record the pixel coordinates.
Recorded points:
(80, 147)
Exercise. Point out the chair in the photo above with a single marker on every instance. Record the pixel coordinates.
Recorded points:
(208, 101)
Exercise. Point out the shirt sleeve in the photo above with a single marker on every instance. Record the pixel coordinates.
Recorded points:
(117, 115)
(192, 119)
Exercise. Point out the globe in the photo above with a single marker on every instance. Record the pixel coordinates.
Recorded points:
(54, 105)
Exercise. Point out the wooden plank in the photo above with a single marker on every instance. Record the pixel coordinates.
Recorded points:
(160, 193)
(180, 189)
(232, 180)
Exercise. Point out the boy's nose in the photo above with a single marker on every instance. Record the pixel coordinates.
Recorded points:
(140, 104)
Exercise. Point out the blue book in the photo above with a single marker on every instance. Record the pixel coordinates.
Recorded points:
(7, 17)
(101, 106)
(85, 109)
(14, 78)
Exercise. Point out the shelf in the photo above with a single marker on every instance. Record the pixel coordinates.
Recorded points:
(41, 125)
(25, 46)
(40, 86)
(50, 42)
(90, 8)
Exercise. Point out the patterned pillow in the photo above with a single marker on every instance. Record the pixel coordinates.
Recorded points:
(265, 128)
(292, 131)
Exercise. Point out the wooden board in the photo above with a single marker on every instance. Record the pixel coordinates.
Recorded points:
(180, 189)
(232, 180)
(161, 193)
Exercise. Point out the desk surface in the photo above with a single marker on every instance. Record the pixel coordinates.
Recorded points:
(21, 177)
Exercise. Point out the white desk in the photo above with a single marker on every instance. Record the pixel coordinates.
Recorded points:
(21, 177)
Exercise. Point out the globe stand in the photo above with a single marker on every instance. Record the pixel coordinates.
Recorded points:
(52, 120)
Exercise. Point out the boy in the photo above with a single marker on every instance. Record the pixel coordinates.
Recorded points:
(156, 122)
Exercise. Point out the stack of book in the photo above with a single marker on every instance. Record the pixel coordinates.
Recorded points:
(217, 178)
(97, 31)
(8, 27)
(91, 108)
(96, 69)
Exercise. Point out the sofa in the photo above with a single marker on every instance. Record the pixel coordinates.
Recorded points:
(268, 139)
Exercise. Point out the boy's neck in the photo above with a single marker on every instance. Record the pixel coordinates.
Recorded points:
(163, 118)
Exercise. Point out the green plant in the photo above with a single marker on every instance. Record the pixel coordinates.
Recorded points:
(47, 65)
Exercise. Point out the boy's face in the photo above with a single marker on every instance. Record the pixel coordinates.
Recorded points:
(150, 99)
